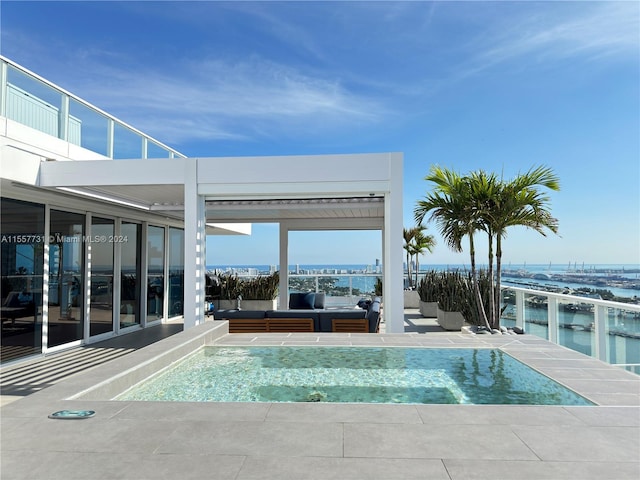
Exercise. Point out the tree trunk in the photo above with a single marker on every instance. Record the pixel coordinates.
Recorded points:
(476, 286)
(498, 280)
(492, 307)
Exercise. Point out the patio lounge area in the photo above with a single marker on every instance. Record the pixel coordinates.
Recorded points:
(139, 440)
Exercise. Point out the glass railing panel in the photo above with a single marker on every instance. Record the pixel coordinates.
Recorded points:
(41, 105)
(576, 325)
(33, 103)
(88, 128)
(622, 327)
(340, 290)
(157, 151)
(536, 319)
(508, 308)
(127, 144)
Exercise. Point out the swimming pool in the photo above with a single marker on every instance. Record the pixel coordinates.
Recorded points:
(353, 375)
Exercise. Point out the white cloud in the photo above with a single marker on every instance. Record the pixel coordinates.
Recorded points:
(598, 31)
(216, 99)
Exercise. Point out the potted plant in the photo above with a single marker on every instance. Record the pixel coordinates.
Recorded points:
(257, 293)
(260, 293)
(377, 289)
(453, 296)
(428, 292)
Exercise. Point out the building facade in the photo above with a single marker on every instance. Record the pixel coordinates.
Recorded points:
(103, 228)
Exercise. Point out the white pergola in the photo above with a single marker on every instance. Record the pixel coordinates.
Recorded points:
(323, 192)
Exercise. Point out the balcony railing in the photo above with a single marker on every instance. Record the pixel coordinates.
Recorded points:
(341, 289)
(37, 103)
(608, 331)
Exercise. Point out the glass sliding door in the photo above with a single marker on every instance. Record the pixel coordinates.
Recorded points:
(21, 267)
(101, 257)
(66, 278)
(176, 271)
(155, 273)
(130, 274)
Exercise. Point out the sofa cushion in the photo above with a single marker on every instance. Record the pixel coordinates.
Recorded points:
(373, 316)
(302, 301)
(319, 301)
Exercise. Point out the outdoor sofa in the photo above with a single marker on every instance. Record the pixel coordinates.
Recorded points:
(305, 314)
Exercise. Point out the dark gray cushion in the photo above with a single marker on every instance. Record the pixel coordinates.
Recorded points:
(302, 301)
(318, 303)
(373, 316)
(326, 317)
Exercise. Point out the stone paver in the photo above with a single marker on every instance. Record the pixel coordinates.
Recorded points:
(243, 441)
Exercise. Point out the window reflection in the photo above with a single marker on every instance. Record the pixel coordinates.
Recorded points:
(176, 271)
(129, 241)
(101, 254)
(22, 226)
(66, 274)
(155, 273)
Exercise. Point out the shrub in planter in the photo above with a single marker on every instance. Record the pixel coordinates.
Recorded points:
(262, 288)
(377, 289)
(471, 309)
(453, 296)
(452, 292)
(428, 288)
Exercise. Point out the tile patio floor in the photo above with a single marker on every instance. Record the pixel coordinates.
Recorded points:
(307, 441)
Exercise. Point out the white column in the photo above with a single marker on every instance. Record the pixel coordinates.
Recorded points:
(283, 292)
(194, 248)
(144, 273)
(392, 282)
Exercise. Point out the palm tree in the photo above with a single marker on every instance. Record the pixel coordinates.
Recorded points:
(422, 243)
(409, 234)
(483, 188)
(518, 202)
(453, 207)
(480, 201)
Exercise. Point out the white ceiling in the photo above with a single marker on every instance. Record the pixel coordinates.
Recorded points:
(168, 200)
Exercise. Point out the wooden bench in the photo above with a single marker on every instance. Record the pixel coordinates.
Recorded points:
(261, 325)
(247, 325)
(290, 324)
(350, 325)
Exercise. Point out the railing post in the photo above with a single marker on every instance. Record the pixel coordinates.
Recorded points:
(600, 327)
(63, 118)
(317, 283)
(552, 316)
(3, 89)
(520, 309)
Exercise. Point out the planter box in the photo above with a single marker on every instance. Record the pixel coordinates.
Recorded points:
(259, 304)
(247, 304)
(411, 299)
(452, 321)
(225, 304)
(429, 309)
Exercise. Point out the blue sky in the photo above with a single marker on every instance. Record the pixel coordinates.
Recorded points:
(501, 86)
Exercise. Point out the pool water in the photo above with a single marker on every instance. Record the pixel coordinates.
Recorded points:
(353, 375)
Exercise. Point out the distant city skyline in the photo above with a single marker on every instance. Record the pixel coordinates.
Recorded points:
(499, 86)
